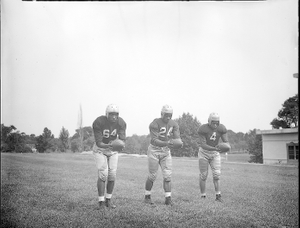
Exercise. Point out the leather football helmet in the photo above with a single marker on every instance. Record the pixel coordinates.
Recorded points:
(112, 108)
(166, 109)
(213, 117)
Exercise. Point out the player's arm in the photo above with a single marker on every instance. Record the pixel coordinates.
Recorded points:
(176, 132)
(202, 139)
(224, 138)
(224, 135)
(99, 135)
(203, 144)
(122, 131)
(154, 133)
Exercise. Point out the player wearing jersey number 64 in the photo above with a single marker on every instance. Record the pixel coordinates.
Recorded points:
(209, 152)
(162, 131)
(109, 131)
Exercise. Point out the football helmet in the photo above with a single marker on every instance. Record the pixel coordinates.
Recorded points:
(213, 117)
(166, 109)
(112, 108)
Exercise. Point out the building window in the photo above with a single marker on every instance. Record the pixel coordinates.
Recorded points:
(293, 151)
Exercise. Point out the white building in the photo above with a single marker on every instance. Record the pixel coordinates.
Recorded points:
(280, 146)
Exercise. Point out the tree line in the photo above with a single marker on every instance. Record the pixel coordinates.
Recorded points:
(83, 140)
(14, 141)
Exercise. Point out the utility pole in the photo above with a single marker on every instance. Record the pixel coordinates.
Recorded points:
(79, 126)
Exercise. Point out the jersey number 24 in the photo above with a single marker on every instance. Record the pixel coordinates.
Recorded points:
(163, 131)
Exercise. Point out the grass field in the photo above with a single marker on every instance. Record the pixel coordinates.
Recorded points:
(59, 190)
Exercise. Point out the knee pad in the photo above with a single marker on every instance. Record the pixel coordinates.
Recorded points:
(216, 175)
(152, 176)
(167, 175)
(102, 174)
(203, 176)
(167, 179)
(112, 175)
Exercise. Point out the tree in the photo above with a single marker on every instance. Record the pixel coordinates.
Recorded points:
(237, 141)
(83, 139)
(76, 145)
(64, 138)
(5, 138)
(188, 126)
(137, 144)
(30, 139)
(133, 145)
(288, 114)
(254, 143)
(145, 141)
(44, 141)
(12, 140)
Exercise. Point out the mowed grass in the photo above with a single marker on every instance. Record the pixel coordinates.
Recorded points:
(59, 190)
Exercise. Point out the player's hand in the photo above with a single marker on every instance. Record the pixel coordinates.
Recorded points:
(109, 146)
(217, 148)
(170, 144)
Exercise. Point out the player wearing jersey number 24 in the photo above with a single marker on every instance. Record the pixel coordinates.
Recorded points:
(162, 130)
(107, 129)
(209, 152)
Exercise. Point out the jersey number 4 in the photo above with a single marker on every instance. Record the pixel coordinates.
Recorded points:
(213, 137)
(106, 133)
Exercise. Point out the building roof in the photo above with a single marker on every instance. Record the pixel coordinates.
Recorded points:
(277, 131)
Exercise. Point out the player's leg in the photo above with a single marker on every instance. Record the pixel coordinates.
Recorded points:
(101, 163)
(152, 168)
(112, 173)
(203, 169)
(166, 166)
(216, 172)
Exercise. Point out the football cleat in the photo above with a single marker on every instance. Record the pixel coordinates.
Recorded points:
(168, 201)
(109, 205)
(203, 197)
(101, 205)
(218, 198)
(148, 199)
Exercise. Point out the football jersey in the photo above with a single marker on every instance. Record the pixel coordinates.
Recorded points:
(211, 136)
(105, 131)
(163, 131)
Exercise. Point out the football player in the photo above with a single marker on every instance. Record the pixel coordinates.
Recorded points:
(209, 135)
(161, 131)
(106, 129)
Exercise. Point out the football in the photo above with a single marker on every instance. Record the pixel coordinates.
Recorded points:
(177, 143)
(224, 147)
(117, 145)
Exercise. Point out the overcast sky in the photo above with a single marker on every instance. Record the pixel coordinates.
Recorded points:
(233, 58)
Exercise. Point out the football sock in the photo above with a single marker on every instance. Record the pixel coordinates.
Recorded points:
(167, 194)
(147, 192)
(108, 196)
(203, 194)
(218, 193)
(101, 198)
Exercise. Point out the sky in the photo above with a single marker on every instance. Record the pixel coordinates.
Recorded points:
(233, 58)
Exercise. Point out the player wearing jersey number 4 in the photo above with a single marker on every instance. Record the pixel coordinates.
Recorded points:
(162, 130)
(107, 128)
(209, 135)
